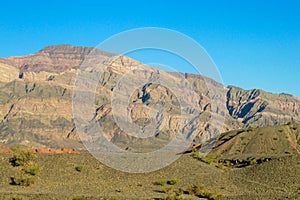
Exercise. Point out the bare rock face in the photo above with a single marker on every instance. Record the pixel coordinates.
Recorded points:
(259, 108)
(36, 101)
(8, 73)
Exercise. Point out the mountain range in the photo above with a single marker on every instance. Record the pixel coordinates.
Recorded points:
(36, 101)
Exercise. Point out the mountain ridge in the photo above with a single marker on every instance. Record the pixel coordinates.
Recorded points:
(36, 98)
(86, 50)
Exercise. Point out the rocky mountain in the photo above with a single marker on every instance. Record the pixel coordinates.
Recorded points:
(260, 108)
(36, 101)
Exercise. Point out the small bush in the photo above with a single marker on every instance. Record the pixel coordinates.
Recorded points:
(195, 190)
(253, 162)
(220, 165)
(22, 159)
(295, 127)
(289, 123)
(172, 196)
(161, 182)
(21, 181)
(202, 192)
(209, 158)
(196, 155)
(34, 170)
(173, 181)
(175, 195)
(17, 198)
(179, 192)
(25, 163)
(79, 168)
(165, 189)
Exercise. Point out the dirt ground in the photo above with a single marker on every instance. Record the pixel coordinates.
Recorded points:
(58, 179)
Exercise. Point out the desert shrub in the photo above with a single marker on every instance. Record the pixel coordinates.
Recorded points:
(280, 130)
(165, 189)
(209, 158)
(22, 159)
(264, 152)
(25, 163)
(195, 190)
(201, 192)
(289, 123)
(220, 165)
(34, 170)
(171, 193)
(173, 181)
(175, 195)
(251, 161)
(196, 155)
(21, 180)
(295, 127)
(179, 192)
(17, 198)
(161, 182)
(275, 138)
(213, 195)
(239, 163)
(79, 168)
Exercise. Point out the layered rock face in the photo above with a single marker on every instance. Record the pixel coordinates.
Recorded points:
(259, 108)
(36, 101)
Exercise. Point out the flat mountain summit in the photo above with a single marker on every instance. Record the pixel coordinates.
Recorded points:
(36, 101)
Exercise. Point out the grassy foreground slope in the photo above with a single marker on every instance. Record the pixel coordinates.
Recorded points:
(58, 179)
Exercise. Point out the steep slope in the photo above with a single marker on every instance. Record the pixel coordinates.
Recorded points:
(265, 141)
(259, 108)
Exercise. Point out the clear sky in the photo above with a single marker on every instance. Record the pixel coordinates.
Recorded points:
(255, 44)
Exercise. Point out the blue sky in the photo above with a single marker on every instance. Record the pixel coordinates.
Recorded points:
(255, 44)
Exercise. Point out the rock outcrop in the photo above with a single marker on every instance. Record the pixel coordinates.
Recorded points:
(259, 108)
